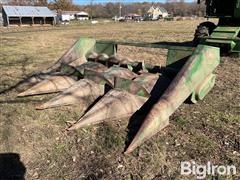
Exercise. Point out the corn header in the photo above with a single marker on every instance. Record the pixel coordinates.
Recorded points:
(106, 88)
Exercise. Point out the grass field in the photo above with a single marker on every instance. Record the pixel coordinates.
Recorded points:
(207, 131)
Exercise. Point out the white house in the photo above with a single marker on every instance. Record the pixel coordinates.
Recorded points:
(155, 13)
(134, 17)
(69, 14)
(82, 16)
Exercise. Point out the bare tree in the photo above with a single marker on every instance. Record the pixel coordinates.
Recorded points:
(63, 4)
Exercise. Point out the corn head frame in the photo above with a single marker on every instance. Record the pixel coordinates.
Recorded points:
(89, 74)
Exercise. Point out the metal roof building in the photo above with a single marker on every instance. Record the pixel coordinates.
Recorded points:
(27, 15)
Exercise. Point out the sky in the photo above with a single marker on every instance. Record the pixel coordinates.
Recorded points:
(123, 1)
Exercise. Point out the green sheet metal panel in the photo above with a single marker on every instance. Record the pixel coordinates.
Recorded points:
(224, 37)
(237, 46)
(106, 48)
(225, 28)
(237, 9)
(176, 58)
(225, 32)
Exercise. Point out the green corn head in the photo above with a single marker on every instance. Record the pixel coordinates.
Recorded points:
(90, 74)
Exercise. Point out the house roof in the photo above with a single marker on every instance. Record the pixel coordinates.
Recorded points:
(160, 9)
(70, 12)
(163, 10)
(27, 11)
(83, 13)
(133, 15)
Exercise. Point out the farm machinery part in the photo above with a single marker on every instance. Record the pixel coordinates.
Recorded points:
(226, 34)
(91, 75)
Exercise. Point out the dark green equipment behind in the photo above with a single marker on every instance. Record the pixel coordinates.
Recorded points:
(226, 34)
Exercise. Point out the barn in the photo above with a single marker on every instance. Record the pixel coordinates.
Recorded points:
(27, 15)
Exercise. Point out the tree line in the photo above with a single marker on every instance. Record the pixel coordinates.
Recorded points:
(111, 9)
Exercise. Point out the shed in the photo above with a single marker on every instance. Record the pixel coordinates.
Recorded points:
(27, 15)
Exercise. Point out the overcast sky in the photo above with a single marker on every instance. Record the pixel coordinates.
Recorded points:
(123, 1)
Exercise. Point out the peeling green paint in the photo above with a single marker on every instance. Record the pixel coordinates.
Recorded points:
(130, 90)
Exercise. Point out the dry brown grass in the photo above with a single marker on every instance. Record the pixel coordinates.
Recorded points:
(208, 131)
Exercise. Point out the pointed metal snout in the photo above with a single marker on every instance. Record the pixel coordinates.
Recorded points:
(116, 104)
(50, 85)
(156, 120)
(83, 93)
(195, 71)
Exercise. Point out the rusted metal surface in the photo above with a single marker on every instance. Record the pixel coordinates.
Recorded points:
(50, 85)
(107, 77)
(94, 66)
(108, 108)
(141, 86)
(83, 93)
(76, 55)
(147, 81)
(118, 72)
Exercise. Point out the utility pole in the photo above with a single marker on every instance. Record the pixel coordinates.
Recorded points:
(120, 6)
(120, 9)
(91, 9)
